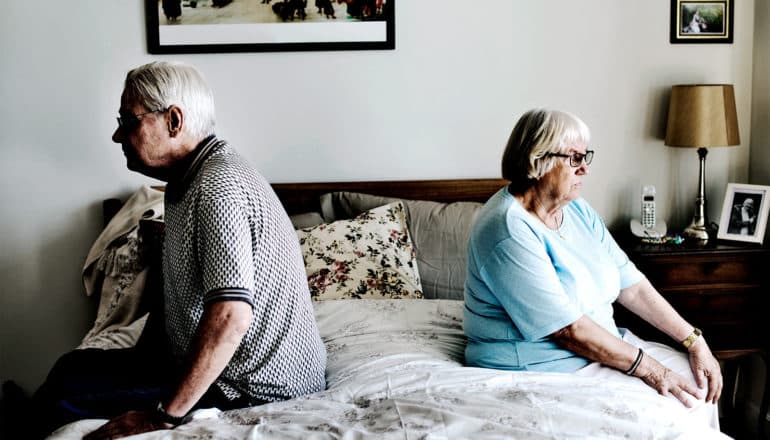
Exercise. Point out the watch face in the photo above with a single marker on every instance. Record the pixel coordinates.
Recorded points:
(692, 338)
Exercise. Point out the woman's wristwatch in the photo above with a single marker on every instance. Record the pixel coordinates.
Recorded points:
(688, 341)
(160, 411)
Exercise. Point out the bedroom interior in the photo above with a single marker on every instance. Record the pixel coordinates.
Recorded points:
(439, 106)
(395, 348)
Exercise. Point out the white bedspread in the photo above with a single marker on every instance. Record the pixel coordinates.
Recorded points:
(395, 371)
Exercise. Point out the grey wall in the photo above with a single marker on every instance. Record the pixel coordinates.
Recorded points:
(755, 371)
(760, 102)
(440, 106)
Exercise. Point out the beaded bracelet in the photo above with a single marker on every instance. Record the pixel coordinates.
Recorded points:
(636, 363)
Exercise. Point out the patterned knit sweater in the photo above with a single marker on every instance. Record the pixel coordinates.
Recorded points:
(229, 238)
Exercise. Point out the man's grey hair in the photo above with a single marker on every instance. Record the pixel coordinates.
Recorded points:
(160, 84)
(537, 133)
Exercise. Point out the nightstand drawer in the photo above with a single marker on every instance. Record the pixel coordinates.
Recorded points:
(735, 305)
(741, 336)
(738, 331)
(665, 273)
(729, 318)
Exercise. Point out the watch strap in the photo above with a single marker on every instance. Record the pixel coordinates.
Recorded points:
(160, 411)
(688, 341)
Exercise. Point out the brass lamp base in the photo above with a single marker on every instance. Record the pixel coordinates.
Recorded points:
(696, 232)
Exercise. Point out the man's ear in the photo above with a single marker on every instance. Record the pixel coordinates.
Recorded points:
(175, 121)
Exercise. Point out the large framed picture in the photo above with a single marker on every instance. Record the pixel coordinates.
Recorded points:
(701, 21)
(744, 213)
(210, 26)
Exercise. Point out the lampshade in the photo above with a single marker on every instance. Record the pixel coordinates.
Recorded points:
(702, 115)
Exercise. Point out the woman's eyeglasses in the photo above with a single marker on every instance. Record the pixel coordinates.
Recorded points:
(576, 159)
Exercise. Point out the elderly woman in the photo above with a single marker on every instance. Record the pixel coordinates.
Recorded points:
(544, 271)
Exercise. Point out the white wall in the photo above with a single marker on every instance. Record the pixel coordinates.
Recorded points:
(440, 106)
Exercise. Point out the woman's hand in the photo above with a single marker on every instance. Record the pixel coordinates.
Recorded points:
(706, 370)
(665, 381)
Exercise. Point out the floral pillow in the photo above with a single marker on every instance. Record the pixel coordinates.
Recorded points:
(370, 256)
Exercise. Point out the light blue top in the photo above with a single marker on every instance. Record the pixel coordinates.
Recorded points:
(526, 281)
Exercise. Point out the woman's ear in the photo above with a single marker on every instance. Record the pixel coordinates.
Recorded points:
(175, 121)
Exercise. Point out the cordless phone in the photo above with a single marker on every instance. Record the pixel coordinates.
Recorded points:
(648, 207)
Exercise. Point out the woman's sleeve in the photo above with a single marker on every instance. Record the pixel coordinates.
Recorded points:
(629, 274)
(519, 272)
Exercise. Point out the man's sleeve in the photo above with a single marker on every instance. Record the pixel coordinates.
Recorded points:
(224, 251)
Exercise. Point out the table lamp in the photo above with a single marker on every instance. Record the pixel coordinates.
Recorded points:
(701, 116)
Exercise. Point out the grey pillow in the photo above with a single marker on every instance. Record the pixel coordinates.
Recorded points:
(439, 231)
(306, 220)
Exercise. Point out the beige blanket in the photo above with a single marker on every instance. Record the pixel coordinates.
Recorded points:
(116, 269)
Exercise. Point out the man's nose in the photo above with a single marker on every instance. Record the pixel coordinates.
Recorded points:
(117, 136)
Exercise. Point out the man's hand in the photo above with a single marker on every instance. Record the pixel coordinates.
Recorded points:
(130, 423)
(706, 370)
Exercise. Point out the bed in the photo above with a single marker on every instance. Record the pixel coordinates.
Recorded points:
(395, 355)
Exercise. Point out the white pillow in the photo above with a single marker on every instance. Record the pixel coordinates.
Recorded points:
(370, 256)
(391, 334)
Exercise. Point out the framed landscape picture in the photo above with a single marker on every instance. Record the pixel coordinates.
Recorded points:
(744, 213)
(701, 21)
(210, 26)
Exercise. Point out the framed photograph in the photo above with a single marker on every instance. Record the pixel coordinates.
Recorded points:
(744, 213)
(701, 21)
(211, 26)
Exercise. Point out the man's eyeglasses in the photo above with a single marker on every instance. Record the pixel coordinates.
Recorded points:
(576, 159)
(130, 120)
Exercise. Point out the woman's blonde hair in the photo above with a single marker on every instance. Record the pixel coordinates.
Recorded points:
(537, 133)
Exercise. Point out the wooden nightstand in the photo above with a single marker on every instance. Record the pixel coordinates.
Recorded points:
(724, 289)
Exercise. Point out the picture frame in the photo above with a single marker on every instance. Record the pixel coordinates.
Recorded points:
(220, 26)
(698, 22)
(744, 213)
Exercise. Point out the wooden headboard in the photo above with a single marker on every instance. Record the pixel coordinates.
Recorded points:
(303, 197)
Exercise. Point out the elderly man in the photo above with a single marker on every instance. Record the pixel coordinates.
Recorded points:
(743, 219)
(239, 323)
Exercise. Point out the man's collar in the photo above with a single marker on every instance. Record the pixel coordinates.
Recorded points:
(193, 161)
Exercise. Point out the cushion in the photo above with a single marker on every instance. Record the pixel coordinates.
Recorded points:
(440, 232)
(306, 220)
(133, 287)
(370, 256)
